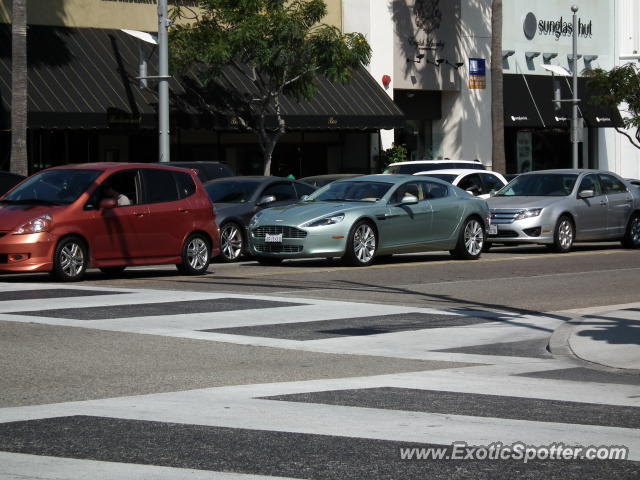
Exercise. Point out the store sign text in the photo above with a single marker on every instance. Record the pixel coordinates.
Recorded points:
(561, 28)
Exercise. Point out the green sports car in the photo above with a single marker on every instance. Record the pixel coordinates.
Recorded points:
(374, 215)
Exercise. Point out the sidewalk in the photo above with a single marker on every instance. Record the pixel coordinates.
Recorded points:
(607, 336)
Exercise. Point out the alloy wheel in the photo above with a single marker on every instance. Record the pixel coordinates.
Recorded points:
(473, 237)
(231, 242)
(634, 231)
(565, 234)
(197, 253)
(72, 260)
(364, 243)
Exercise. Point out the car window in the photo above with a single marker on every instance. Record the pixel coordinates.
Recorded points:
(351, 191)
(282, 191)
(159, 186)
(434, 190)
(540, 185)
(611, 184)
(471, 183)
(412, 188)
(491, 182)
(590, 182)
(53, 187)
(303, 189)
(232, 190)
(186, 185)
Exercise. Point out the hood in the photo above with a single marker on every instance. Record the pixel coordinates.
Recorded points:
(300, 213)
(522, 202)
(13, 216)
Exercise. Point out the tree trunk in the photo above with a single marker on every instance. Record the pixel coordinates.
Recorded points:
(497, 101)
(18, 162)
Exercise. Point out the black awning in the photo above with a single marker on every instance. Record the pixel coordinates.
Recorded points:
(529, 102)
(79, 78)
(86, 78)
(360, 104)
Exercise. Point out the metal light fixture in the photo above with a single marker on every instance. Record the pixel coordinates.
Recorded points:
(588, 59)
(547, 56)
(419, 57)
(507, 53)
(436, 63)
(531, 55)
(456, 65)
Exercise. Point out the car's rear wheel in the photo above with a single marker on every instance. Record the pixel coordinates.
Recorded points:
(563, 235)
(272, 261)
(361, 245)
(112, 271)
(470, 240)
(632, 235)
(70, 259)
(196, 254)
(231, 242)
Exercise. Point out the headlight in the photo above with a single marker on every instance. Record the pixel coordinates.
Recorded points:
(254, 219)
(37, 225)
(326, 221)
(532, 212)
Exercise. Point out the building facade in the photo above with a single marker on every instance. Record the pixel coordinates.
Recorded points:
(85, 103)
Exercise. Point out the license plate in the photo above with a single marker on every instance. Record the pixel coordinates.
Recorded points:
(273, 238)
(493, 229)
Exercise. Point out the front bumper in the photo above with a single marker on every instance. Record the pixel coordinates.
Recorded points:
(26, 253)
(529, 230)
(326, 241)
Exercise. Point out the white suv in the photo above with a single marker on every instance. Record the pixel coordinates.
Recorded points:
(415, 166)
(480, 183)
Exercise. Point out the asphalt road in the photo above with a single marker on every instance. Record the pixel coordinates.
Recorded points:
(311, 369)
(523, 277)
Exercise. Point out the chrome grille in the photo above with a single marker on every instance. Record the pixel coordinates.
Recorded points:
(504, 216)
(278, 248)
(287, 232)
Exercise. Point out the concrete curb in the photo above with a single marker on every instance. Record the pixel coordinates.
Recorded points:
(559, 346)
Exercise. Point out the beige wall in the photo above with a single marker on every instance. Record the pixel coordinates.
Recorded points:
(131, 14)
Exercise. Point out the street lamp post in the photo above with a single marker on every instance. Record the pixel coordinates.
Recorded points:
(163, 81)
(574, 112)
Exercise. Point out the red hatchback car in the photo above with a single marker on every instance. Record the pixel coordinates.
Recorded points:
(66, 219)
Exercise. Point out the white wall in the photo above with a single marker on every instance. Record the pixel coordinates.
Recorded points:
(373, 19)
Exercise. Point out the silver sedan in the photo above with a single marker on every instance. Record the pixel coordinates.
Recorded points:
(560, 207)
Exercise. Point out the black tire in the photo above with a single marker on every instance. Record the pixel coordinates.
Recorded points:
(112, 271)
(232, 242)
(361, 245)
(269, 261)
(196, 255)
(632, 235)
(470, 240)
(70, 259)
(563, 235)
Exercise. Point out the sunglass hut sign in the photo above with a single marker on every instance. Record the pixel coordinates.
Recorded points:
(555, 27)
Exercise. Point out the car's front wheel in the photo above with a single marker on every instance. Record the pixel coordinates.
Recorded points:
(563, 235)
(231, 242)
(632, 235)
(470, 240)
(361, 245)
(196, 254)
(70, 259)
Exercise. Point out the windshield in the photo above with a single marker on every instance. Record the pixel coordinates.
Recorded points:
(411, 168)
(447, 177)
(231, 191)
(53, 187)
(540, 185)
(351, 191)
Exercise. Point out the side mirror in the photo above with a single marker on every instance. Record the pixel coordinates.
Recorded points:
(304, 197)
(265, 200)
(473, 190)
(108, 204)
(586, 194)
(409, 200)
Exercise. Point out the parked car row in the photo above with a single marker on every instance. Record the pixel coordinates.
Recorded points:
(112, 215)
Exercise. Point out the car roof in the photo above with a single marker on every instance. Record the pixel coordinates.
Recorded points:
(565, 171)
(115, 166)
(385, 178)
(454, 171)
(331, 175)
(448, 160)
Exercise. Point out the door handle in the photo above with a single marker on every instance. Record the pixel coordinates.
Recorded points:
(183, 210)
(139, 214)
(603, 203)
